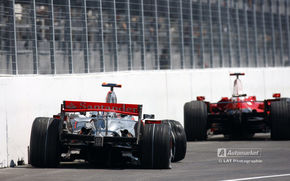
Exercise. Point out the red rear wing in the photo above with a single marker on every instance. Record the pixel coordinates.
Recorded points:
(77, 106)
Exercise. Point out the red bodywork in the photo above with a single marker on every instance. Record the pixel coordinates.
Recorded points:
(228, 115)
(225, 104)
(239, 113)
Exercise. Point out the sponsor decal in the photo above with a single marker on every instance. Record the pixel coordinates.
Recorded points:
(70, 106)
(131, 108)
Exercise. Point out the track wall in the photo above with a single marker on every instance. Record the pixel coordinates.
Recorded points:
(163, 93)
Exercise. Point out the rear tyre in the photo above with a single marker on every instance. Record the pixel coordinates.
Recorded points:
(195, 120)
(44, 142)
(156, 147)
(178, 139)
(280, 119)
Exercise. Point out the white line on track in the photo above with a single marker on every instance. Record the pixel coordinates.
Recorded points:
(260, 177)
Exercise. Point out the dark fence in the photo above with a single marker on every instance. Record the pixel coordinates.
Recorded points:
(83, 36)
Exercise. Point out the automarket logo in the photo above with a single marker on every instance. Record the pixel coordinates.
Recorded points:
(222, 152)
(238, 152)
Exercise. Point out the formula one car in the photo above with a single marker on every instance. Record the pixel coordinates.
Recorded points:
(238, 117)
(106, 134)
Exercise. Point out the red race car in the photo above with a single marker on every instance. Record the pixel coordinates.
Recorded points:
(238, 117)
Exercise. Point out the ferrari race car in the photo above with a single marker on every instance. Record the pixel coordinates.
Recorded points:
(238, 117)
(106, 134)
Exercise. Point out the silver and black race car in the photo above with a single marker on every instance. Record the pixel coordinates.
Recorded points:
(106, 134)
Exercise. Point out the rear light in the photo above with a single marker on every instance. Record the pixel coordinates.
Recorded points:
(153, 122)
(277, 95)
(56, 116)
(225, 99)
(252, 98)
(261, 106)
(200, 98)
(59, 117)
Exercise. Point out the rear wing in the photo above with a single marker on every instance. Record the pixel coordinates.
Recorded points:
(80, 106)
(128, 109)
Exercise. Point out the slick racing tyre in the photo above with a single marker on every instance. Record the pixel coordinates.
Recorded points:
(280, 119)
(179, 140)
(44, 142)
(156, 146)
(195, 120)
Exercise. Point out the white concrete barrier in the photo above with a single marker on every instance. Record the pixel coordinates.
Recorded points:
(163, 93)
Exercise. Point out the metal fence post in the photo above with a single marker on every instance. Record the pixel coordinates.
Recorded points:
(220, 35)
(68, 36)
(273, 35)
(169, 34)
(192, 63)
(8, 46)
(130, 65)
(238, 35)
(201, 35)
(143, 64)
(247, 32)
(86, 43)
(34, 35)
(229, 34)
(287, 29)
(52, 37)
(264, 35)
(12, 35)
(280, 34)
(101, 36)
(116, 61)
(210, 33)
(156, 34)
(255, 34)
(181, 43)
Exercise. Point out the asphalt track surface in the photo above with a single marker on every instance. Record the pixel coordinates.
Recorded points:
(201, 163)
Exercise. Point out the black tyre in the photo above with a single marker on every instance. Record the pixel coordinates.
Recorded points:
(44, 142)
(141, 128)
(195, 120)
(156, 146)
(179, 140)
(280, 119)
